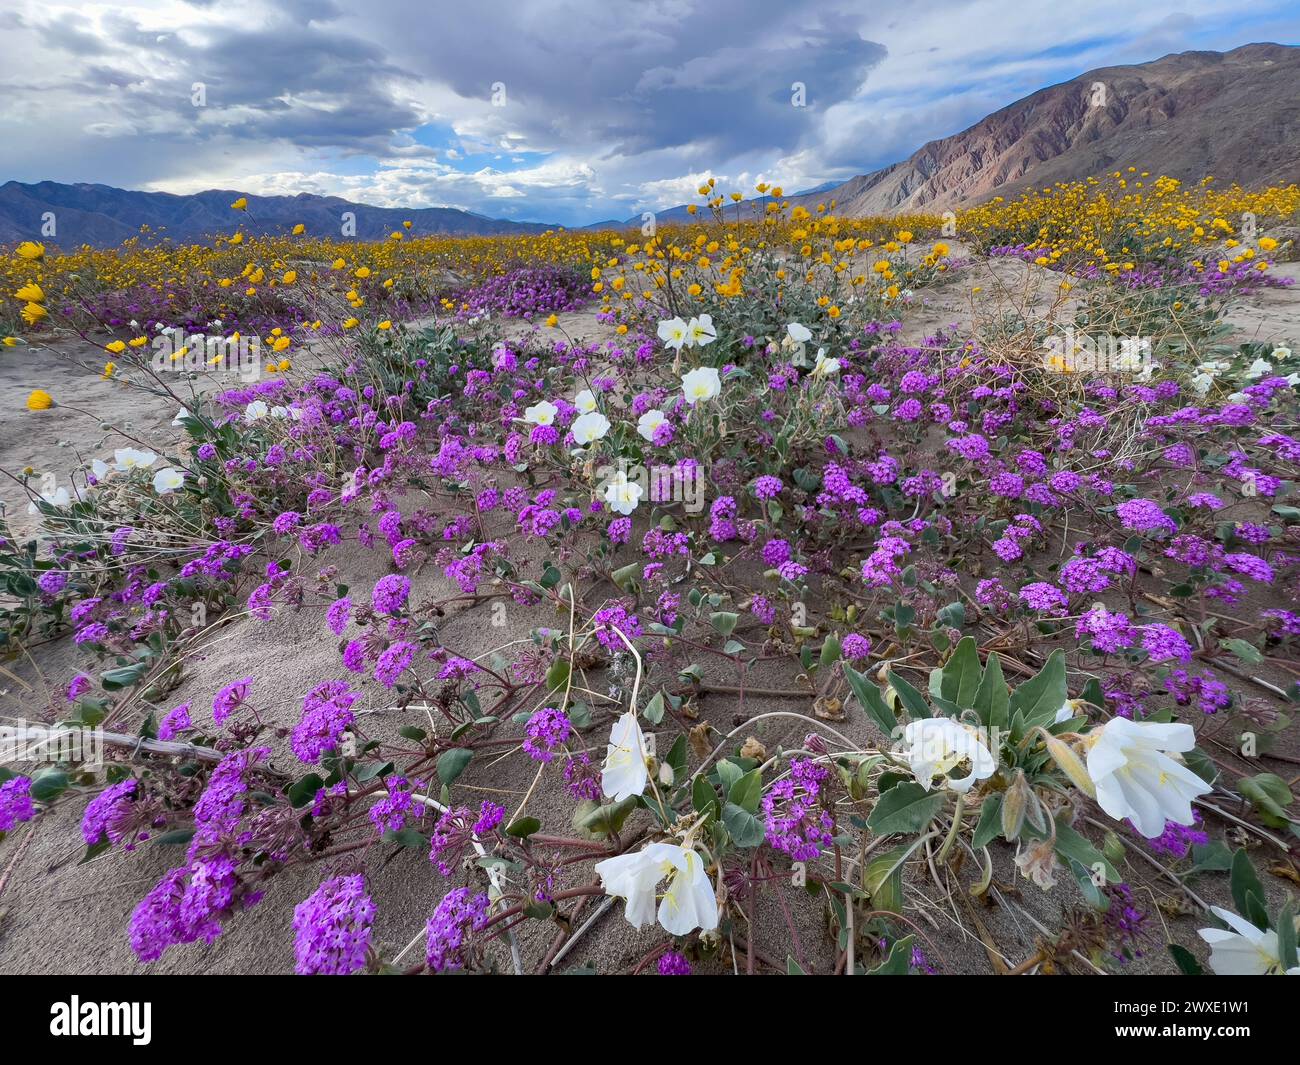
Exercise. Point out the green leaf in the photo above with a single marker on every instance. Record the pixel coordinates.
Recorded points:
(302, 791)
(915, 702)
(1043, 694)
(703, 797)
(413, 732)
(177, 837)
(992, 700)
(123, 676)
(626, 576)
(747, 791)
(1286, 936)
(906, 807)
(870, 699)
(1270, 796)
(1071, 845)
(1185, 960)
(792, 967)
(724, 622)
(1247, 652)
(899, 962)
(654, 709)
(606, 820)
(746, 829)
(990, 822)
(1247, 891)
(452, 763)
(523, 828)
(48, 785)
(883, 876)
(961, 674)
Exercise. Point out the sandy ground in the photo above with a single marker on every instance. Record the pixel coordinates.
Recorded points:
(59, 915)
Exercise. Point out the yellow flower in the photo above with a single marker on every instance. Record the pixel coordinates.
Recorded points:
(351, 323)
(109, 369)
(238, 238)
(116, 347)
(11, 342)
(30, 250)
(362, 272)
(299, 230)
(31, 292)
(283, 365)
(552, 321)
(338, 264)
(33, 313)
(40, 400)
(280, 344)
(406, 225)
(385, 324)
(290, 276)
(240, 204)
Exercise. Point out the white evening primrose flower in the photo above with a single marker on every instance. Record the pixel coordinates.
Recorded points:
(1245, 951)
(542, 413)
(585, 401)
(674, 334)
(690, 901)
(256, 411)
(701, 331)
(126, 459)
(167, 480)
(99, 469)
(1136, 778)
(936, 746)
(800, 334)
(624, 772)
(622, 495)
(701, 383)
(589, 427)
(181, 415)
(824, 366)
(58, 498)
(1201, 383)
(1258, 369)
(649, 422)
(1281, 354)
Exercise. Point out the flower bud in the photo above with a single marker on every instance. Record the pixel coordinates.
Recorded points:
(1070, 764)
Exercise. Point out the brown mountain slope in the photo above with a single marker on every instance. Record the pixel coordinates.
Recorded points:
(1235, 115)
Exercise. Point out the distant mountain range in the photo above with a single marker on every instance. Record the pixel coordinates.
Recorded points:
(101, 215)
(1235, 115)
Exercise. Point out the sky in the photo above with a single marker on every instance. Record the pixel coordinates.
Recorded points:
(561, 111)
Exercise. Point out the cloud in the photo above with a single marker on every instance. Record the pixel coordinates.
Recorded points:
(599, 109)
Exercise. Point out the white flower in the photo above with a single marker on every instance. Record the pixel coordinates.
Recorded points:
(702, 383)
(938, 745)
(542, 413)
(674, 334)
(129, 458)
(1258, 368)
(256, 411)
(585, 401)
(1136, 779)
(800, 334)
(622, 495)
(1281, 354)
(589, 427)
(279, 412)
(624, 772)
(58, 498)
(649, 422)
(168, 480)
(700, 331)
(1201, 383)
(824, 366)
(181, 415)
(1245, 951)
(690, 901)
(99, 469)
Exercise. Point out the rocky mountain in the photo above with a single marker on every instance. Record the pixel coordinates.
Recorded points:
(103, 216)
(1235, 115)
